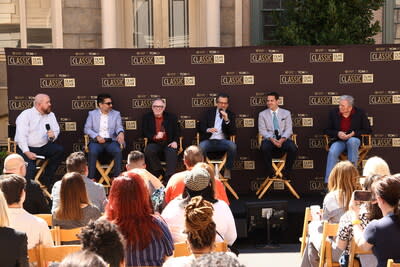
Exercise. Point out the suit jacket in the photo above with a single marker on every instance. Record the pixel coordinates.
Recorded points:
(170, 125)
(359, 123)
(13, 247)
(208, 121)
(92, 125)
(266, 125)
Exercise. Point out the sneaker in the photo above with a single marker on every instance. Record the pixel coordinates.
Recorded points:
(227, 173)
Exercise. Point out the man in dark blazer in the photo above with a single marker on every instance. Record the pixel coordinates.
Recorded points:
(161, 130)
(217, 125)
(275, 126)
(346, 125)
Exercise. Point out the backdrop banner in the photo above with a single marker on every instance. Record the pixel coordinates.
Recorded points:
(309, 79)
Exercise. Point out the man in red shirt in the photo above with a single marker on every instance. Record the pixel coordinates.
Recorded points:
(346, 125)
(161, 130)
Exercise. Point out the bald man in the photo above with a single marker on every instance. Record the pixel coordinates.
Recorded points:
(37, 129)
(35, 202)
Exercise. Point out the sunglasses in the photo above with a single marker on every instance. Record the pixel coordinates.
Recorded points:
(158, 106)
(108, 103)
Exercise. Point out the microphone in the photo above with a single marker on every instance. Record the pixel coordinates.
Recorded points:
(277, 136)
(48, 129)
(219, 110)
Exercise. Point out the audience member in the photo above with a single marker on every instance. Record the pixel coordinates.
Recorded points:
(383, 235)
(76, 162)
(35, 228)
(75, 209)
(35, 201)
(13, 244)
(147, 236)
(191, 156)
(198, 183)
(83, 258)
(103, 238)
(201, 233)
(376, 165)
(217, 259)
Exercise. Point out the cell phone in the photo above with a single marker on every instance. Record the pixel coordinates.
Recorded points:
(362, 195)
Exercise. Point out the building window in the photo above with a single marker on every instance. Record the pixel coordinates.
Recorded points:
(178, 23)
(262, 20)
(143, 23)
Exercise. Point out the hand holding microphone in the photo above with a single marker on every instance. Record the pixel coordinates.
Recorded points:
(223, 115)
(50, 133)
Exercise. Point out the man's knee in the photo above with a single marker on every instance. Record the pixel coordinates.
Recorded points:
(232, 146)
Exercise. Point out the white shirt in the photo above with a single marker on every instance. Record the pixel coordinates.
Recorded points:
(36, 228)
(174, 216)
(31, 128)
(103, 131)
(218, 125)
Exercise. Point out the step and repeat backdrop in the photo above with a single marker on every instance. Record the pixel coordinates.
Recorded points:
(309, 79)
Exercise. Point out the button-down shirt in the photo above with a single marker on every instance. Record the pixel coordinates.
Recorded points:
(218, 125)
(31, 128)
(103, 131)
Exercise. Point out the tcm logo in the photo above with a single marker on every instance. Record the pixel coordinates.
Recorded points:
(178, 81)
(356, 78)
(244, 165)
(201, 102)
(296, 79)
(326, 57)
(245, 122)
(188, 124)
(384, 56)
(385, 142)
(68, 126)
(83, 104)
(207, 59)
(303, 122)
(303, 164)
(131, 125)
(267, 58)
(57, 82)
(323, 100)
(87, 60)
(147, 60)
(384, 99)
(19, 104)
(237, 79)
(25, 60)
(118, 82)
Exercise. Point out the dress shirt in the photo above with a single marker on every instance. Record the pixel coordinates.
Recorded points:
(36, 228)
(31, 128)
(103, 132)
(276, 112)
(218, 125)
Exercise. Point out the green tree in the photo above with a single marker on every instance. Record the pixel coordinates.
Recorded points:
(327, 22)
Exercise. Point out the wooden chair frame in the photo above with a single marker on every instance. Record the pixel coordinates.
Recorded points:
(47, 217)
(218, 165)
(391, 263)
(325, 255)
(42, 255)
(356, 250)
(65, 235)
(277, 164)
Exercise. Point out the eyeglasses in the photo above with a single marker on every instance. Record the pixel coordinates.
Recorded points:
(158, 106)
(108, 103)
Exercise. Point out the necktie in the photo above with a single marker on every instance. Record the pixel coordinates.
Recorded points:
(276, 123)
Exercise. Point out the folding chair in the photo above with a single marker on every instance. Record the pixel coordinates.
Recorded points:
(47, 217)
(104, 167)
(56, 253)
(218, 160)
(66, 235)
(325, 255)
(33, 256)
(365, 147)
(303, 238)
(391, 263)
(356, 250)
(277, 164)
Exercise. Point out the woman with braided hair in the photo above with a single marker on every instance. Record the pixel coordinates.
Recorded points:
(201, 232)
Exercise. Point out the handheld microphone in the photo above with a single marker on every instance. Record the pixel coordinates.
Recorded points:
(48, 129)
(219, 110)
(277, 136)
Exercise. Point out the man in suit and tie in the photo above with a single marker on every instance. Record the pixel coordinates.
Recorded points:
(275, 126)
(216, 127)
(104, 127)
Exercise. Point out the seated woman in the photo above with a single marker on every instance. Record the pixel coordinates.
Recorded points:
(198, 182)
(13, 244)
(75, 209)
(201, 232)
(383, 235)
(148, 240)
(343, 180)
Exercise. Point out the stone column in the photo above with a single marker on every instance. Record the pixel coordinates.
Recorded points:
(108, 24)
(213, 11)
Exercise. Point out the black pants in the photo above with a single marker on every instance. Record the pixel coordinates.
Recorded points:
(154, 152)
(269, 150)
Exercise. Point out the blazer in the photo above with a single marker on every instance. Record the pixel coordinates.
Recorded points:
(13, 247)
(359, 123)
(208, 121)
(170, 124)
(266, 125)
(92, 125)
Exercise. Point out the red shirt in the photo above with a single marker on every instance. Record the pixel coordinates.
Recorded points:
(345, 123)
(160, 128)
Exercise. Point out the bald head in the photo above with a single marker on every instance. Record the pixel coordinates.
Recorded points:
(15, 164)
(42, 103)
(192, 155)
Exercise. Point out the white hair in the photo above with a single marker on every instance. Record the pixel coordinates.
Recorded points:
(376, 166)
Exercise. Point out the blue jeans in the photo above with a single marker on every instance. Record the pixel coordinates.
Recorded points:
(350, 146)
(215, 145)
(113, 148)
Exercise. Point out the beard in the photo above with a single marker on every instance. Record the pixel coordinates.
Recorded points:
(47, 110)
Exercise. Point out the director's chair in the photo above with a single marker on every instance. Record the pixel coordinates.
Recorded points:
(277, 164)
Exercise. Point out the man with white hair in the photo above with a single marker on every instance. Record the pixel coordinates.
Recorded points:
(37, 129)
(35, 202)
(346, 125)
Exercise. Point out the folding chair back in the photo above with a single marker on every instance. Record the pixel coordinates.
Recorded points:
(47, 217)
(329, 229)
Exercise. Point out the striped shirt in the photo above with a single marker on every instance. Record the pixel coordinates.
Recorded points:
(155, 253)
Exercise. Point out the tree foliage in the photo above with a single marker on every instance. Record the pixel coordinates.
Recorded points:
(327, 22)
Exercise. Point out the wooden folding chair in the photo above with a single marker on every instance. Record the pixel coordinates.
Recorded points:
(56, 253)
(356, 250)
(391, 263)
(365, 147)
(303, 238)
(34, 255)
(325, 255)
(218, 164)
(65, 235)
(41, 165)
(47, 217)
(277, 164)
